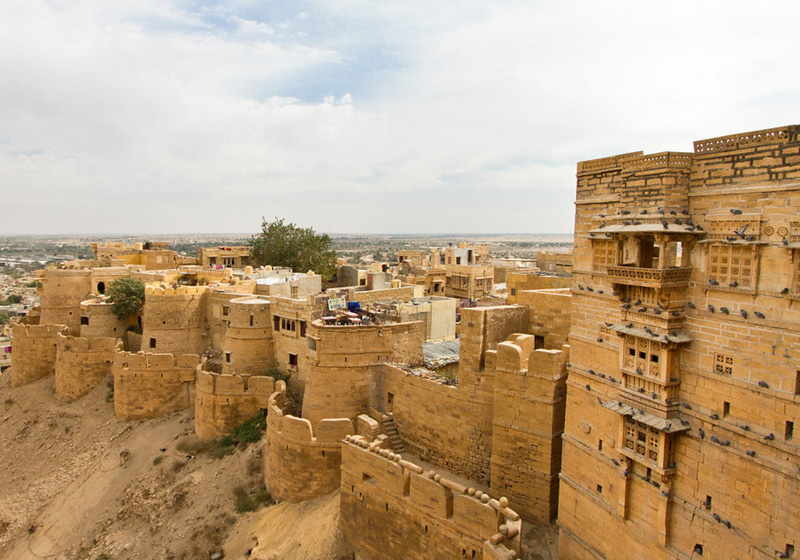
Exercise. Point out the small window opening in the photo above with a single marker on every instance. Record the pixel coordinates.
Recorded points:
(631, 351)
(227, 357)
(599, 489)
(538, 342)
(642, 355)
(600, 445)
(789, 430)
(707, 503)
(654, 358)
(293, 360)
(225, 310)
(797, 382)
(84, 320)
(152, 343)
(387, 506)
(251, 320)
(101, 287)
(649, 473)
(698, 549)
(277, 321)
(726, 408)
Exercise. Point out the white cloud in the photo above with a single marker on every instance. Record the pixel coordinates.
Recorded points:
(150, 116)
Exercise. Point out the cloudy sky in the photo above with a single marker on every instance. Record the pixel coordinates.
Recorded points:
(162, 116)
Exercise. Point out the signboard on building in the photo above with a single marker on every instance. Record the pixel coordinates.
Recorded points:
(335, 303)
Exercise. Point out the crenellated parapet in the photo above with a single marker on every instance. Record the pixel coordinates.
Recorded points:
(224, 401)
(151, 385)
(34, 348)
(82, 363)
(395, 509)
(528, 420)
(301, 460)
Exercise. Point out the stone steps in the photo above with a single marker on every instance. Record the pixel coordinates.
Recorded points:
(389, 429)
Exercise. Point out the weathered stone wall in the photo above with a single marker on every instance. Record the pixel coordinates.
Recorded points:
(388, 294)
(527, 424)
(98, 321)
(338, 379)
(61, 292)
(34, 349)
(550, 312)
(151, 385)
(224, 401)
(440, 424)
(174, 320)
(82, 364)
(290, 343)
(248, 346)
(517, 282)
(392, 509)
(729, 334)
(299, 464)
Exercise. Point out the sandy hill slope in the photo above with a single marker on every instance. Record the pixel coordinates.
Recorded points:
(76, 483)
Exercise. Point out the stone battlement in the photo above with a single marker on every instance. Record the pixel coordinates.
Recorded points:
(151, 385)
(141, 361)
(160, 290)
(381, 485)
(37, 331)
(223, 401)
(302, 462)
(81, 344)
(34, 349)
(82, 364)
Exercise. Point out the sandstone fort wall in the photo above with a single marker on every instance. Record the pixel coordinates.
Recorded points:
(151, 385)
(550, 313)
(300, 464)
(392, 509)
(97, 321)
(224, 401)
(61, 292)
(527, 423)
(248, 345)
(174, 320)
(34, 348)
(338, 379)
(82, 364)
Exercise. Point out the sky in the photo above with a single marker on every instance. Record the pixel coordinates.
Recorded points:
(348, 116)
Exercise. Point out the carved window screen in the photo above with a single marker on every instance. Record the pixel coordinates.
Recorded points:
(732, 263)
(604, 254)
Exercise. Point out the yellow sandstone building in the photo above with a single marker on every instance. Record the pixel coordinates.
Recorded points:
(684, 375)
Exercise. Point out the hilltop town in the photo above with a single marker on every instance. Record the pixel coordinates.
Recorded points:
(633, 398)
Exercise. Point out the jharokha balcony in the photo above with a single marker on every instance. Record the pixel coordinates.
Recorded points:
(650, 277)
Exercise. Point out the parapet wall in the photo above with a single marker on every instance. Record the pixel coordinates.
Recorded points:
(224, 401)
(34, 349)
(393, 509)
(301, 462)
(81, 364)
(151, 385)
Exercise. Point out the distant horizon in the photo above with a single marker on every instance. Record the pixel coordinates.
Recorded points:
(162, 234)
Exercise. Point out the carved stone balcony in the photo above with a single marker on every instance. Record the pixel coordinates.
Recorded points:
(650, 277)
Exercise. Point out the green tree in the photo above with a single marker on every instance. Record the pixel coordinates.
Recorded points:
(127, 297)
(301, 249)
(3, 318)
(12, 299)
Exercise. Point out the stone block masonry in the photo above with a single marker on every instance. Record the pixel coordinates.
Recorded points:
(82, 364)
(224, 401)
(151, 385)
(392, 509)
(35, 348)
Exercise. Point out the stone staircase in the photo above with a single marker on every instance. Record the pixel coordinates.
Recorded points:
(389, 429)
